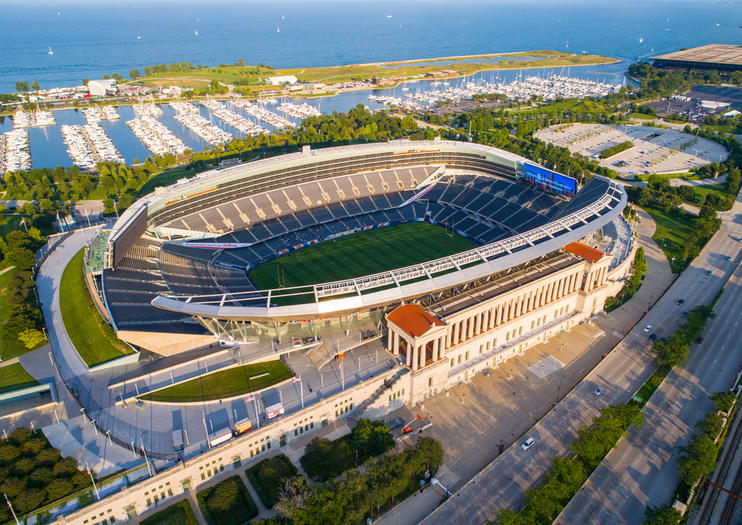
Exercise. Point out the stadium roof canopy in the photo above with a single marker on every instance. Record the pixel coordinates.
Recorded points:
(713, 56)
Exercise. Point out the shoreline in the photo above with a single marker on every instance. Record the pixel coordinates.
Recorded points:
(335, 92)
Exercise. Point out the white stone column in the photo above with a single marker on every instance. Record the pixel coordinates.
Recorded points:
(415, 357)
(470, 327)
(441, 350)
(500, 308)
(395, 344)
(408, 354)
(389, 339)
(477, 322)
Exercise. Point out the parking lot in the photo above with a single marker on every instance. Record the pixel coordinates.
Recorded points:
(655, 150)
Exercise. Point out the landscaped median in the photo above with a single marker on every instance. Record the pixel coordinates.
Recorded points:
(94, 340)
(223, 384)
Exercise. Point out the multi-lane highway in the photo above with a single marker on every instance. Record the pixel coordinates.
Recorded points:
(642, 470)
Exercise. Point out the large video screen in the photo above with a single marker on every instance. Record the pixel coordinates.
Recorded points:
(550, 180)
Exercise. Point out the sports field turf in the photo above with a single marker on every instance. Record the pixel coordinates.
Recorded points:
(360, 254)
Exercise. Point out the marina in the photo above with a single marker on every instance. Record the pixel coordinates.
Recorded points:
(263, 114)
(156, 137)
(88, 145)
(48, 148)
(238, 122)
(14, 151)
(97, 114)
(188, 115)
(298, 111)
(32, 119)
(548, 88)
(147, 110)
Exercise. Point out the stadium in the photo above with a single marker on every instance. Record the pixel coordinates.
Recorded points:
(435, 251)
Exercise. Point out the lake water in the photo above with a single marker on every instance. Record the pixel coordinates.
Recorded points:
(91, 39)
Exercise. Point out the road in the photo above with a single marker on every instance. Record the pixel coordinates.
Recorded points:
(642, 470)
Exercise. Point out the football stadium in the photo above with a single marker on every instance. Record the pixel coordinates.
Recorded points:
(449, 256)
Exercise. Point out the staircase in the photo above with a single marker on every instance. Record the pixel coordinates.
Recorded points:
(388, 384)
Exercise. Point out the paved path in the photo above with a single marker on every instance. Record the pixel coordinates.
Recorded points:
(473, 435)
(642, 469)
(6, 269)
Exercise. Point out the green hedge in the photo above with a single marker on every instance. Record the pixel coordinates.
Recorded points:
(614, 150)
(269, 476)
(227, 502)
(177, 514)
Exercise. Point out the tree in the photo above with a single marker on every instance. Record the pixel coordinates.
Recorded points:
(671, 352)
(698, 459)
(31, 338)
(21, 258)
(662, 515)
(723, 401)
(35, 86)
(21, 87)
(371, 437)
(134, 74)
(85, 81)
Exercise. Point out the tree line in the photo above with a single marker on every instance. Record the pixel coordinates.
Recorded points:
(24, 322)
(639, 269)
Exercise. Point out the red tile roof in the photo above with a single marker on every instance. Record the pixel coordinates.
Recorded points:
(584, 251)
(414, 320)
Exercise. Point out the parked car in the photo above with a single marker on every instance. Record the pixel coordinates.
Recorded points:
(699, 340)
(648, 328)
(653, 337)
(598, 391)
(396, 423)
(528, 443)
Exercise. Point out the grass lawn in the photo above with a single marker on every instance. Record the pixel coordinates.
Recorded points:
(360, 254)
(713, 189)
(13, 377)
(93, 339)
(9, 223)
(672, 233)
(178, 514)
(269, 476)
(224, 383)
(227, 502)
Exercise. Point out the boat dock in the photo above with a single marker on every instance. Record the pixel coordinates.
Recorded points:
(260, 113)
(156, 137)
(147, 110)
(188, 115)
(14, 151)
(33, 119)
(238, 122)
(98, 113)
(88, 145)
(298, 111)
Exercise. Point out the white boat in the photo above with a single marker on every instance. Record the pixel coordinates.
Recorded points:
(278, 30)
(388, 16)
(195, 32)
(50, 52)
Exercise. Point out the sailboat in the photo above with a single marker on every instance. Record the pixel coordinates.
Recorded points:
(50, 52)
(195, 32)
(278, 30)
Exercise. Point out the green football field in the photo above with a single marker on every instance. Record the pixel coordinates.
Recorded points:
(360, 254)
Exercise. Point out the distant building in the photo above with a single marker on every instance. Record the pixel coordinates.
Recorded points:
(713, 56)
(102, 88)
(285, 79)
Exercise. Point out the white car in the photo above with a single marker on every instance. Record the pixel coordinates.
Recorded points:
(598, 391)
(648, 328)
(528, 443)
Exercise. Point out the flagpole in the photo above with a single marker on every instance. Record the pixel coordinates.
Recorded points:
(11, 509)
(87, 467)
